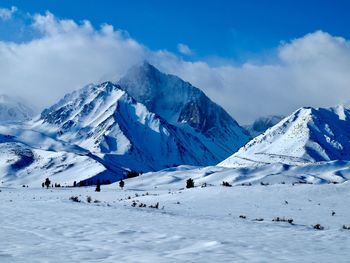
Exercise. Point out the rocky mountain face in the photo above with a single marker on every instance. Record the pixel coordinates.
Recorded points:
(186, 107)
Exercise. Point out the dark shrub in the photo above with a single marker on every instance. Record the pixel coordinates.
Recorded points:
(190, 183)
(226, 184)
(283, 219)
(74, 199)
(156, 206)
(318, 227)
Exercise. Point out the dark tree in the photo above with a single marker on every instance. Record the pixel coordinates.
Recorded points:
(121, 184)
(75, 184)
(47, 182)
(98, 186)
(190, 183)
(43, 185)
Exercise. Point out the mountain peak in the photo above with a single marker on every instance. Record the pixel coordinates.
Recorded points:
(148, 66)
(185, 106)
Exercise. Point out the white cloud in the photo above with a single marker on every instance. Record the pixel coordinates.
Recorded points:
(309, 71)
(184, 49)
(6, 14)
(67, 56)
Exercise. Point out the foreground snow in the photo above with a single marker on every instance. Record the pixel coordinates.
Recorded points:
(191, 225)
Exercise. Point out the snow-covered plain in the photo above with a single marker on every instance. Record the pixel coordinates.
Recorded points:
(191, 225)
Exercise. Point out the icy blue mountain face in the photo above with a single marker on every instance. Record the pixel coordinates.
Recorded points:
(261, 124)
(108, 122)
(185, 106)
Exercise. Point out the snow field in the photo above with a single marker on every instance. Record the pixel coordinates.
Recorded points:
(191, 225)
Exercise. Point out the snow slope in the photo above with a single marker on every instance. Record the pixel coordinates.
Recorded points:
(28, 157)
(192, 225)
(312, 173)
(187, 107)
(13, 110)
(307, 135)
(109, 123)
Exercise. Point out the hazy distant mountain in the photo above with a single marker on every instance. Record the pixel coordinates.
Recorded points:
(261, 124)
(14, 110)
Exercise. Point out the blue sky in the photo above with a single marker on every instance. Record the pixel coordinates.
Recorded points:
(236, 30)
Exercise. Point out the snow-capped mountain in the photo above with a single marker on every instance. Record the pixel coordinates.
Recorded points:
(187, 107)
(108, 122)
(104, 127)
(307, 135)
(13, 110)
(261, 124)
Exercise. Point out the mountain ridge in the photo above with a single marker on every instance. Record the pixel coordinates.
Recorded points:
(307, 135)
